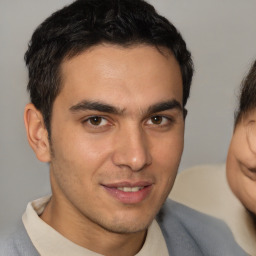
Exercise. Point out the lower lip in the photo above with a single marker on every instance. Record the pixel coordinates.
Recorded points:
(129, 197)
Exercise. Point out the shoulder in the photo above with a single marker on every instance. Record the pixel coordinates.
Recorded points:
(188, 232)
(205, 189)
(199, 177)
(17, 243)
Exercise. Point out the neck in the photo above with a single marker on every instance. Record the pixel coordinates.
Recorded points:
(253, 217)
(83, 232)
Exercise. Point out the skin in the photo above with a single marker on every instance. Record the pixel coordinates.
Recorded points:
(241, 161)
(118, 121)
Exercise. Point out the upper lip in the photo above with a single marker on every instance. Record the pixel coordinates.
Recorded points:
(128, 184)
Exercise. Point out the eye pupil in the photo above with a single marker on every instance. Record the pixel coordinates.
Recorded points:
(95, 120)
(156, 119)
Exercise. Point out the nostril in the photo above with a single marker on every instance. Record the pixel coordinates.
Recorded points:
(135, 161)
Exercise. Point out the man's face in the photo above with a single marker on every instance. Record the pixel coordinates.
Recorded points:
(117, 135)
(241, 162)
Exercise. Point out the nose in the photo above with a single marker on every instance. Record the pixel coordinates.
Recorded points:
(132, 150)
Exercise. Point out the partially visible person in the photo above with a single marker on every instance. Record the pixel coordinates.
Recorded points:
(229, 195)
(241, 159)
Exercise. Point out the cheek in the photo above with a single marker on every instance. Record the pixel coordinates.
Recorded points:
(247, 194)
(79, 147)
(167, 159)
(76, 161)
(243, 187)
(230, 171)
(234, 176)
(169, 151)
(233, 172)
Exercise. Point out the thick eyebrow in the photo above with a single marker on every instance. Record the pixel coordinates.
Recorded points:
(95, 105)
(166, 105)
(103, 107)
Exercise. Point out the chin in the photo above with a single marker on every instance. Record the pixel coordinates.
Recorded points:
(124, 223)
(127, 227)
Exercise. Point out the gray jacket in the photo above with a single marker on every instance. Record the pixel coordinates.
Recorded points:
(186, 231)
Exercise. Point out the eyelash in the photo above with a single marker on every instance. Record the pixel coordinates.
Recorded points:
(90, 118)
(164, 121)
(167, 120)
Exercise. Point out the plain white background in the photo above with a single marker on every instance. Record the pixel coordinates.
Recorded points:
(221, 36)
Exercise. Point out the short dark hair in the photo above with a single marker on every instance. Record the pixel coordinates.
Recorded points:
(247, 100)
(86, 23)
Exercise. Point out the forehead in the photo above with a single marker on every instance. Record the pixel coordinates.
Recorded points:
(243, 118)
(116, 73)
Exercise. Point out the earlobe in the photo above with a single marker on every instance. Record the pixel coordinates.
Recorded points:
(251, 136)
(37, 133)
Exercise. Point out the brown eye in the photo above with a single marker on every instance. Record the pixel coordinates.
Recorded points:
(156, 119)
(96, 124)
(159, 121)
(95, 120)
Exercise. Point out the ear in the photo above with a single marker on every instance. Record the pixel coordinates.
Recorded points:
(251, 136)
(37, 133)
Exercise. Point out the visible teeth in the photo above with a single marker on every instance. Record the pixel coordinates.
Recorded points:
(129, 189)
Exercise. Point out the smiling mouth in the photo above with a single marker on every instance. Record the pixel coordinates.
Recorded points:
(130, 189)
(129, 193)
